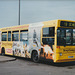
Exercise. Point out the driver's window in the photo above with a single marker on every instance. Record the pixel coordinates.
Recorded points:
(60, 37)
(68, 36)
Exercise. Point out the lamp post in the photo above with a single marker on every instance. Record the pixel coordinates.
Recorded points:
(19, 14)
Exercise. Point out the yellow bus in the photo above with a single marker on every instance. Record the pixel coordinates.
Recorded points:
(54, 40)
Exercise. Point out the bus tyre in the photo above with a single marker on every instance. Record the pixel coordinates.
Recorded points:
(3, 52)
(13, 53)
(35, 57)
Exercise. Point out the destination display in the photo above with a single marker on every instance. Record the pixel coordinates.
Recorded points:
(67, 24)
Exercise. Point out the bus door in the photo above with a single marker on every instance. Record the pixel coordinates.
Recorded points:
(47, 49)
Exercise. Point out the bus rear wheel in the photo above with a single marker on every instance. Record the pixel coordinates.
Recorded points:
(35, 57)
(3, 51)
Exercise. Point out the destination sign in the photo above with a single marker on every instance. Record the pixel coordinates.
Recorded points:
(67, 24)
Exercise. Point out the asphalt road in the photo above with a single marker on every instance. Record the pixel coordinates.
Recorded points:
(27, 67)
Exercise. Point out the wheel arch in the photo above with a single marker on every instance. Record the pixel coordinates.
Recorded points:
(2, 50)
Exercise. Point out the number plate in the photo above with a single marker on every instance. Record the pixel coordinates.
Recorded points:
(70, 56)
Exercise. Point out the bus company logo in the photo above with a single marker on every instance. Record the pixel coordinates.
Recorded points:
(69, 50)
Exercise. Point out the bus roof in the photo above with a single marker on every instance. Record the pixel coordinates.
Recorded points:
(45, 24)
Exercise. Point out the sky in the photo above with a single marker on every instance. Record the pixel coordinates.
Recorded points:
(33, 11)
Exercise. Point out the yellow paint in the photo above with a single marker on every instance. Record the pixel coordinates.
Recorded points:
(54, 23)
(7, 45)
(66, 51)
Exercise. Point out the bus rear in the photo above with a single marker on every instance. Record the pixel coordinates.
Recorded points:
(65, 43)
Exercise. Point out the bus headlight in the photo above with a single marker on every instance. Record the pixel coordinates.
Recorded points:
(60, 54)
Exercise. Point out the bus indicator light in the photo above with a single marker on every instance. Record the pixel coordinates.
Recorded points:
(58, 46)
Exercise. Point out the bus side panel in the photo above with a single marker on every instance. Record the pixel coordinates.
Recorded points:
(35, 37)
(45, 51)
(7, 47)
(21, 49)
(0, 42)
(16, 48)
(32, 41)
(0, 47)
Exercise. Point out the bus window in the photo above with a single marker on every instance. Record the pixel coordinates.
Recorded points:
(15, 36)
(23, 35)
(73, 36)
(9, 35)
(48, 32)
(68, 36)
(61, 36)
(65, 36)
(4, 36)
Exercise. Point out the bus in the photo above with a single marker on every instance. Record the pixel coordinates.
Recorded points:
(53, 40)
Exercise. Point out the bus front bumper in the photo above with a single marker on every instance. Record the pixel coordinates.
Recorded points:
(65, 57)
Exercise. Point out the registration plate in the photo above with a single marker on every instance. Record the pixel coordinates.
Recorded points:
(70, 56)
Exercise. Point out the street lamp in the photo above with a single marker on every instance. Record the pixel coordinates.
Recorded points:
(19, 14)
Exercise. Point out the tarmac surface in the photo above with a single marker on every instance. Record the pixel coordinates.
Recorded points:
(22, 66)
(6, 58)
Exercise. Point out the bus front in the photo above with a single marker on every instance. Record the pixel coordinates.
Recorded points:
(65, 43)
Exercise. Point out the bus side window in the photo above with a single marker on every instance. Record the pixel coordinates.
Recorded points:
(73, 36)
(23, 35)
(48, 32)
(15, 36)
(4, 36)
(9, 35)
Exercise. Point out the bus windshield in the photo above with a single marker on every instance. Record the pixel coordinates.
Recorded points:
(65, 36)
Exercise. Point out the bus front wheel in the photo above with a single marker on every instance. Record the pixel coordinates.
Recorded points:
(35, 57)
